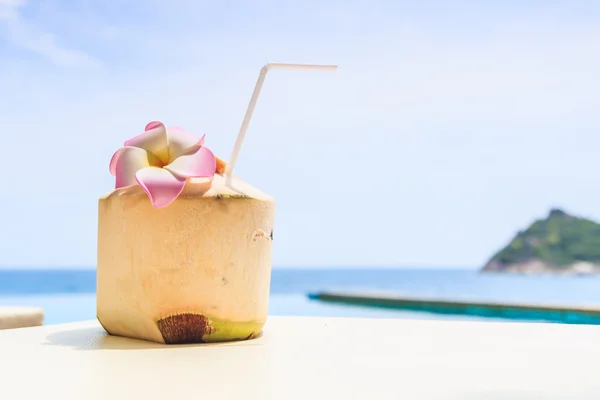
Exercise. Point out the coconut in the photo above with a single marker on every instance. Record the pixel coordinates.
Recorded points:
(195, 271)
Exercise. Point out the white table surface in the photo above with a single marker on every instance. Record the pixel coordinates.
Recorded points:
(310, 358)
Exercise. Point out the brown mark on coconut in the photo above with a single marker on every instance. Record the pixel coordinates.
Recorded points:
(259, 233)
(184, 328)
(222, 196)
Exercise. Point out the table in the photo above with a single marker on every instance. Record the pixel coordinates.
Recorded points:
(310, 358)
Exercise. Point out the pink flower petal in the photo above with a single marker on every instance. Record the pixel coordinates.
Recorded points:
(127, 161)
(153, 140)
(152, 125)
(200, 163)
(181, 141)
(160, 185)
(113, 162)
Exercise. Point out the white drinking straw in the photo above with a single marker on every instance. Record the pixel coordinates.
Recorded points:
(254, 98)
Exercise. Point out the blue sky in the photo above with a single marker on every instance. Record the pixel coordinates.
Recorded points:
(445, 129)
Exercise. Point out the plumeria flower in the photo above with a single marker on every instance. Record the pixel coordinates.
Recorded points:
(160, 160)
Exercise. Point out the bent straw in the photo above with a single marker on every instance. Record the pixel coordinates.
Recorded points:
(254, 98)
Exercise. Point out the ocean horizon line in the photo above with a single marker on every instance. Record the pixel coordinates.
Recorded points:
(275, 267)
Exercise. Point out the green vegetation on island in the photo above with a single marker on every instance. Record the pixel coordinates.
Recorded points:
(560, 243)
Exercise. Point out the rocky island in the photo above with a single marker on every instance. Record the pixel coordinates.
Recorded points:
(559, 244)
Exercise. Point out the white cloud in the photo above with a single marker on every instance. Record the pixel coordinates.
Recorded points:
(9, 9)
(25, 35)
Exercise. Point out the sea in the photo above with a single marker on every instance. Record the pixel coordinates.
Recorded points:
(69, 295)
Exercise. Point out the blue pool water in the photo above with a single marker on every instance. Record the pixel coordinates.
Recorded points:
(69, 295)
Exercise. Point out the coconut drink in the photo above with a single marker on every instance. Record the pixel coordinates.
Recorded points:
(184, 246)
